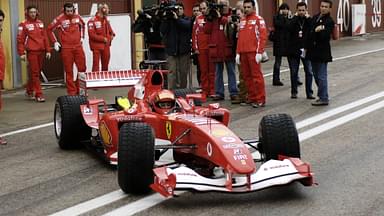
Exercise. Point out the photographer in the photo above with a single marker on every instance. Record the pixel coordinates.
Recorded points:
(148, 22)
(220, 49)
(176, 31)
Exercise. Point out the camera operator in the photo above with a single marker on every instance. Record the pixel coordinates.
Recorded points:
(200, 47)
(148, 22)
(176, 31)
(220, 50)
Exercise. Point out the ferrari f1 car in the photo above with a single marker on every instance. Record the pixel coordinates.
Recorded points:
(207, 155)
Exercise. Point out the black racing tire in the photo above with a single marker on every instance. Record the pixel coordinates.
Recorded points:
(136, 157)
(183, 93)
(278, 136)
(69, 125)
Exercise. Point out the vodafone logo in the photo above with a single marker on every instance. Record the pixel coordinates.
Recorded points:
(228, 139)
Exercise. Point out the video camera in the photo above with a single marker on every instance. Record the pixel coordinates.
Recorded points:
(166, 9)
(147, 10)
(234, 17)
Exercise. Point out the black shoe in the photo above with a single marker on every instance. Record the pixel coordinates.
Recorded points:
(277, 83)
(235, 99)
(320, 103)
(299, 83)
(293, 96)
(218, 98)
(310, 97)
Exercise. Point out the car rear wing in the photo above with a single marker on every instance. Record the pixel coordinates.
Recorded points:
(109, 79)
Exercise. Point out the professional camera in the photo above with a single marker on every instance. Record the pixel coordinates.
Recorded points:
(214, 8)
(234, 17)
(166, 9)
(147, 11)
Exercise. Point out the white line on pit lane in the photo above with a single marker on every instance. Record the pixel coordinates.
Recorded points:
(26, 129)
(152, 200)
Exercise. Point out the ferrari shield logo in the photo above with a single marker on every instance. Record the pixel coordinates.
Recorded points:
(168, 129)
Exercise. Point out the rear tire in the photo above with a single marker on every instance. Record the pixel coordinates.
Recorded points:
(278, 136)
(184, 92)
(136, 157)
(69, 125)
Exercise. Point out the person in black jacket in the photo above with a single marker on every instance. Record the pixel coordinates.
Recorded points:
(148, 22)
(299, 28)
(319, 49)
(280, 40)
(176, 31)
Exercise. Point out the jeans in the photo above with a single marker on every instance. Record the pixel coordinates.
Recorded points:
(320, 73)
(294, 63)
(219, 82)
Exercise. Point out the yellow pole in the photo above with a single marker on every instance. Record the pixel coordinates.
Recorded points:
(6, 38)
(139, 37)
(24, 75)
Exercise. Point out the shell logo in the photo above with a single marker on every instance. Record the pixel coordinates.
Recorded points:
(105, 134)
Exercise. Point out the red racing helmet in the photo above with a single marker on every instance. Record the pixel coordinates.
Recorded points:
(163, 101)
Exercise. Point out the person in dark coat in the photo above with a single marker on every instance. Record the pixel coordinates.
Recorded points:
(299, 28)
(319, 49)
(176, 32)
(148, 22)
(280, 40)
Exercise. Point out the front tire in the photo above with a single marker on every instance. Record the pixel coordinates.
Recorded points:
(69, 125)
(278, 136)
(136, 157)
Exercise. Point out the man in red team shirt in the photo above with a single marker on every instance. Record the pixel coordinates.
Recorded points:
(250, 47)
(70, 28)
(2, 65)
(200, 41)
(100, 38)
(33, 46)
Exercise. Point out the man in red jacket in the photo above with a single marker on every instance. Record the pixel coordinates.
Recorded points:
(250, 47)
(33, 46)
(100, 38)
(70, 28)
(200, 46)
(2, 65)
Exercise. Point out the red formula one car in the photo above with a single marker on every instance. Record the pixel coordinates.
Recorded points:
(137, 130)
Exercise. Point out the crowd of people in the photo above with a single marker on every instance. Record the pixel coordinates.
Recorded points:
(34, 43)
(218, 36)
(300, 37)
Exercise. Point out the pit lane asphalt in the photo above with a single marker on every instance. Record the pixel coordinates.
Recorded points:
(38, 178)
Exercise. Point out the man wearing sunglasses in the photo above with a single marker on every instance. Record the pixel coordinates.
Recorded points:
(70, 28)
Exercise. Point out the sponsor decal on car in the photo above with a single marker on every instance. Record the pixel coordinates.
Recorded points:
(87, 110)
(105, 133)
(209, 149)
(237, 151)
(276, 167)
(232, 145)
(168, 129)
(129, 118)
(220, 132)
(228, 139)
(240, 157)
